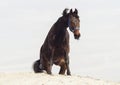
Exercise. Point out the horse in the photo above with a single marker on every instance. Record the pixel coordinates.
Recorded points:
(55, 49)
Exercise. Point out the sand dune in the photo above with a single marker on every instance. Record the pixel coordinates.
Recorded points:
(44, 79)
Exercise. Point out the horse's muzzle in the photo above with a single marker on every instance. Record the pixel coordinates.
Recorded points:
(77, 34)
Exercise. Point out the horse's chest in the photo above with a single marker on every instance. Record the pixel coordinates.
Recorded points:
(59, 51)
(59, 56)
(59, 61)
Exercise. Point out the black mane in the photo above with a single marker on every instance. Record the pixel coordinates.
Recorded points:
(58, 31)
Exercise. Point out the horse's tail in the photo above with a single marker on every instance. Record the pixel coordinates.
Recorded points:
(36, 67)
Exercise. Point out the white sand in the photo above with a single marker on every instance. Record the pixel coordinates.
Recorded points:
(44, 79)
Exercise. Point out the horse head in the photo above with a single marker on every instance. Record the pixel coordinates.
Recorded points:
(73, 22)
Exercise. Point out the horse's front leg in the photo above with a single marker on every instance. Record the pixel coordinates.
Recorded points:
(62, 69)
(67, 64)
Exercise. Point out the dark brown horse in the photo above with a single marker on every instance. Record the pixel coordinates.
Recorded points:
(55, 48)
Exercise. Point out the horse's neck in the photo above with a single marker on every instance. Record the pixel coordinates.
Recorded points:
(60, 28)
(58, 32)
(61, 23)
(61, 34)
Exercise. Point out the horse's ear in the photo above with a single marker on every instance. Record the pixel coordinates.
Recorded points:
(76, 11)
(71, 11)
(65, 11)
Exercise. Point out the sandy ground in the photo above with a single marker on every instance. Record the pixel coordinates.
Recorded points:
(44, 79)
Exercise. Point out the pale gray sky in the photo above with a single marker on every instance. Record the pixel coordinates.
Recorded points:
(24, 25)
